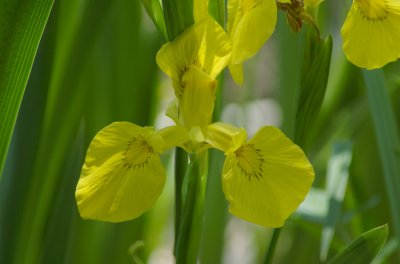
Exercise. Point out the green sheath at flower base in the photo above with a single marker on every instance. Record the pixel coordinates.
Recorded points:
(250, 25)
(266, 178)
(371, 34)
(122, 175)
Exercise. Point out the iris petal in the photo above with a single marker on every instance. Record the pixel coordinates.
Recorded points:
(122, 176)
(371, 34)
(267, 178)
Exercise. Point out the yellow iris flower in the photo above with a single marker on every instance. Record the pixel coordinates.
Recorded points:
(264, 179)
(250, 25)
(371, 34)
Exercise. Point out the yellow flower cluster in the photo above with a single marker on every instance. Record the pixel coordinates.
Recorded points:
(264, 179)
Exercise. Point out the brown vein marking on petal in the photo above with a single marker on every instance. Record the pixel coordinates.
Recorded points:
(250, 161)
(137, 153)
(373, 10)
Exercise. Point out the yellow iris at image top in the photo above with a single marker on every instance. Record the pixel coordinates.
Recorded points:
(371, 34)
(250, 25)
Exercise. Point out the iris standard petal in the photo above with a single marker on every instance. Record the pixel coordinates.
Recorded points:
(204, 45)
(267, 178)
(122, 175)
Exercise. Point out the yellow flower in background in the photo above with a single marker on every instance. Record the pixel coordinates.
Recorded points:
(264, 179)
(371, 33)
(250, 25)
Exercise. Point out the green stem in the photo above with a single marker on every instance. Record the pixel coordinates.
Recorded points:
(181, 162)
(272, 245)
(193, 193)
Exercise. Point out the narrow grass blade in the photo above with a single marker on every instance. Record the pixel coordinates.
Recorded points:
(21, 27)
(364, 249)
(387, 136)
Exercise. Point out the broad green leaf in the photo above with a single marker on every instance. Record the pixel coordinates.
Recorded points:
(387, 136)
(21, 26)
(58, 133)
(363, 249)
(314, 79)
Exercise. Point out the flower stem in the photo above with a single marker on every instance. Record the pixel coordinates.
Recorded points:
(272, 245)
(193, 192)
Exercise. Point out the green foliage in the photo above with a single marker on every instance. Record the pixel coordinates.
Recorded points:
(21, 27)
(365, 248)
(96, 64)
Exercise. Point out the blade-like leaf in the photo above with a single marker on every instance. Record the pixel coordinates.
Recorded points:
(314, 79)
(364, 248)
(21, 26)
(387, 136)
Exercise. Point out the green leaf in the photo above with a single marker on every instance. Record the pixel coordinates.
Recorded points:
(21, 27)
(314, 79)
(387, 136)
(178, 16)
(364, 248)
(154, 10)
(336, 183)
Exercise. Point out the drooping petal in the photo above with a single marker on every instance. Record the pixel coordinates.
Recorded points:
(204, 45)
(266, 179)
(250, 25)
(371, 34)
(122, 175)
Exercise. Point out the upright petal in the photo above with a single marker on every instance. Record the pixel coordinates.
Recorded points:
(122, 175)
(200, 9)
(266, 179)
(371, 34)
(204, 45)
(250, 25)
(198, 98)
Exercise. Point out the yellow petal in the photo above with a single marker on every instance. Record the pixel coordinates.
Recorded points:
(250, 24)
(236, 71)
(122, 175)
(200, 9)
(371, 34)
(174, 136)
(266, 179)
(204, 45)
(198, 98)
(225, 137)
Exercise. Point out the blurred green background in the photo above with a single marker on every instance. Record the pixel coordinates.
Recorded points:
(96, 65)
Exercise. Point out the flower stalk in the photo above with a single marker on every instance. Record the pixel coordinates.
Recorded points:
(193, 193)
